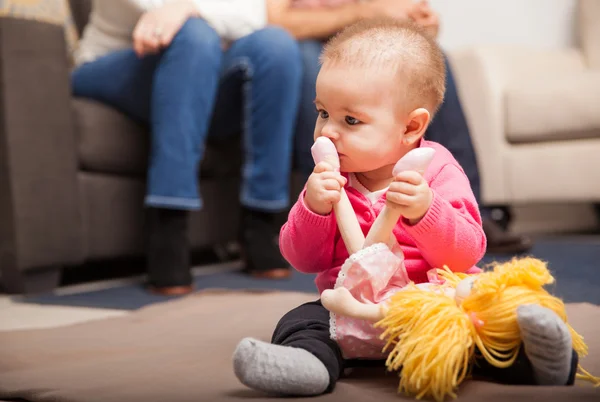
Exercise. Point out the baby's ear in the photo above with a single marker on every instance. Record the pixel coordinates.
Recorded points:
(416, 125)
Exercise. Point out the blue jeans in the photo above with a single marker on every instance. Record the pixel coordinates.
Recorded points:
(449, 126)
(193, 86)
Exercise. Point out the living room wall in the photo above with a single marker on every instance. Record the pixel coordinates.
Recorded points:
(539, 23)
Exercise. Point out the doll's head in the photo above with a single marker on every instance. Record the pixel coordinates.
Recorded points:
(433, 335)
(379, 85)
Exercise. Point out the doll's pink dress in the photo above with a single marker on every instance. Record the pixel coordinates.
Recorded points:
(372, 276)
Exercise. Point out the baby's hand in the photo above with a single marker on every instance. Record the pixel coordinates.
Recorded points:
(323, 188)
(410, 193)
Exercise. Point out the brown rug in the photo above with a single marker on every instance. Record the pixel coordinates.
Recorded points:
(181, 351)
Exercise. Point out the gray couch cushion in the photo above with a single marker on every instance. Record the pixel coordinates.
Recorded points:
(110, 142)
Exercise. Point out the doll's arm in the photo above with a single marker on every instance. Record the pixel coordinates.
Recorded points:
(350, 230)
(418, 160)
(341, 302)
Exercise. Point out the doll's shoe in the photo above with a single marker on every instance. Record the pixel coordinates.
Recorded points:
(259, 235)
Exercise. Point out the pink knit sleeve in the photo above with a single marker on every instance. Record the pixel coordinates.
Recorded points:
(450, 233)
(307, 240)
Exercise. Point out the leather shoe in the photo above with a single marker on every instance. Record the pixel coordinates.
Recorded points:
(276, 274)
(502, 242)
(259, 234)
(171, 290)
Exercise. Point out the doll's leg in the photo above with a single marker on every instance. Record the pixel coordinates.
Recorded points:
(547, 356)
(301, 360)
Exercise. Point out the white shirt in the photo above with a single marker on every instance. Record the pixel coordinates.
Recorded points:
(372, 196)
(112, 22)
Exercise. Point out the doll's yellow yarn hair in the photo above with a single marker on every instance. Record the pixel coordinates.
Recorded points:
(433, 339)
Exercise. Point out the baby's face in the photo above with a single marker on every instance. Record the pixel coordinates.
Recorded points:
(358, 112)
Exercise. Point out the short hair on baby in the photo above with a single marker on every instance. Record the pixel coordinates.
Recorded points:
(402, 45)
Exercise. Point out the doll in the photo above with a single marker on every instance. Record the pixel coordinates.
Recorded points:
(463, 316)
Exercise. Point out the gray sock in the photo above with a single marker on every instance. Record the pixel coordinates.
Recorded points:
(279, 369)
(547, 342)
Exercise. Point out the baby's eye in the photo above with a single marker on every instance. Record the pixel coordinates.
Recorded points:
(323, 114)
(351, 120)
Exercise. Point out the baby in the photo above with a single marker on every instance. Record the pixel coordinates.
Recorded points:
(379, 87)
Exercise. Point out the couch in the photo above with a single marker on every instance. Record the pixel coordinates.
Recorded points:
(534, 117)
(72, 170)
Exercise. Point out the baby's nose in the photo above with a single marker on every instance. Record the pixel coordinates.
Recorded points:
(330, 132)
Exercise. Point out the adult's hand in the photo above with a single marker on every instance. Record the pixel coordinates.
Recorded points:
(397, 9)
(156, 28)
(425, 16)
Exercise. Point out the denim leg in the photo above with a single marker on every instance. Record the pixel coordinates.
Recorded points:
(174, 93)
(449, 128)
(183, 94)
(307, 113)
(261, 75)
(119, 79)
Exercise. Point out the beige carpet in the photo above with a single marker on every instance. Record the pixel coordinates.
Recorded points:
(181, 351)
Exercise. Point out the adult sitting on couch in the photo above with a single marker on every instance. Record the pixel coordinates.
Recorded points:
(170, 65)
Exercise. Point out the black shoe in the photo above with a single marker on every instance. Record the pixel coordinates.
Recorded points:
(501, 242)
(259, 241)
(168, 251)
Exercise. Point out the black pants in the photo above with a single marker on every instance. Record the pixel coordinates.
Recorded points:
(307, 327)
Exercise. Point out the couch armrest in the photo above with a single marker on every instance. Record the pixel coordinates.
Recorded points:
(589, 31)
(39, 207)
(482, 75)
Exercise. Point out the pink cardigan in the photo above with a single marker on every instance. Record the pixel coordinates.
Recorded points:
(449, 234)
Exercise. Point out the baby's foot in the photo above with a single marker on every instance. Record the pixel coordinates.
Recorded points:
(547, 342)
(279, 369)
